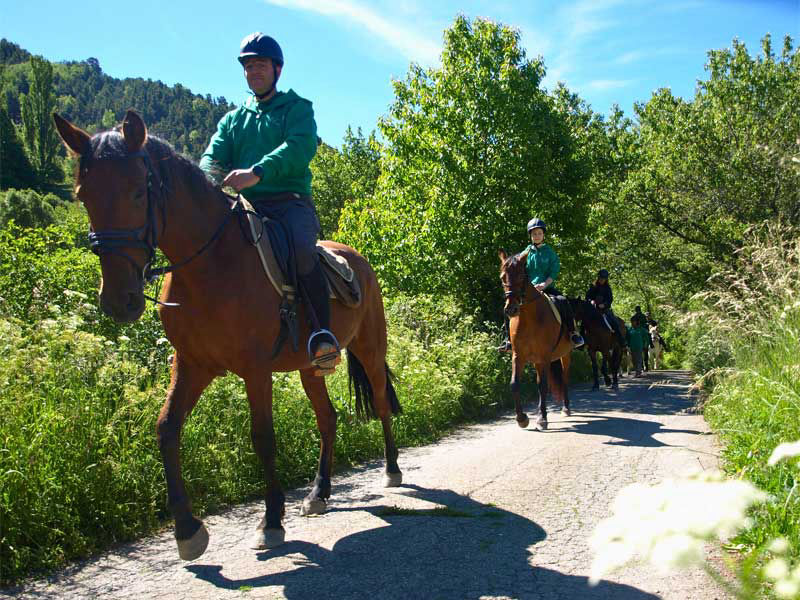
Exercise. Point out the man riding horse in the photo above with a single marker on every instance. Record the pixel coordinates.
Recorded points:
(601, 296)
(263, 150)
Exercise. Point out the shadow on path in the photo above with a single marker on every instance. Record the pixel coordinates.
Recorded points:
(466, 552)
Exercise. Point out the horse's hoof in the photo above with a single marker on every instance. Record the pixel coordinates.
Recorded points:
(313, 506)
(392, 479)
(195, 545)
(566, 411)
(523, 422)
(541, 424)
(268, 538)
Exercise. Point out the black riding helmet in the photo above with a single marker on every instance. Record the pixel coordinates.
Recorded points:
(263, 46)
(259, 44)
(536, 223)
(602, 274)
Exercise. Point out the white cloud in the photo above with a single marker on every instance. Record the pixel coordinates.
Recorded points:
(404, 38)
(601, 85)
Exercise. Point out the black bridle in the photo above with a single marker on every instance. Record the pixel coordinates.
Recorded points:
(115, 241)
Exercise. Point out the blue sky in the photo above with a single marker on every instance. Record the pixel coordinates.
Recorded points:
(343, 54)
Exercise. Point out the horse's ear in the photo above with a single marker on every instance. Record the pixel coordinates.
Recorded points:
(134, 131)
(502, 255)
(74, 138)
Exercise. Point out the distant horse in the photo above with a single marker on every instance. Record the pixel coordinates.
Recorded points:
(657, 352)
(140, 195)
(536, 337)
(599, 338)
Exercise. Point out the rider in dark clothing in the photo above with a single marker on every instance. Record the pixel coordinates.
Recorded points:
(601, 296)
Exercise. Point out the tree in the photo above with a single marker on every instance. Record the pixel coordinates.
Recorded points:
(41, 139)
(474, 150)
(27, 208)
(16, 170)
(340, 176)
(706, 170)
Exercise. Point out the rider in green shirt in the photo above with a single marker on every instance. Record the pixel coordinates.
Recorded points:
(543, 266)
(263, 150)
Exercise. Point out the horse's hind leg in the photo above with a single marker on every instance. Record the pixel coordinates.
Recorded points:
(541, 372)
(270, 532)
(376, 395)
(317, 391)
(561, 375)
(187, 383)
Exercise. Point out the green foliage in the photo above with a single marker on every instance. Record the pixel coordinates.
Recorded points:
(39, 131)
(341, 176)
(28, 208)
(754, 402)
(707, 169)
(474, 149)
(16, 170)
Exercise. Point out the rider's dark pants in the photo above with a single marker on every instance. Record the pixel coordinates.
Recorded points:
(300, 218)
(298, 215)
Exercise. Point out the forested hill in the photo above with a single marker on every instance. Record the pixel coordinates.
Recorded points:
(94, 100)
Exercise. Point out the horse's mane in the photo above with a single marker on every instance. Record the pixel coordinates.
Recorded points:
(166, 162)
(592, 315)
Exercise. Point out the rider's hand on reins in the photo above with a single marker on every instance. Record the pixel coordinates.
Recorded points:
(240, 179)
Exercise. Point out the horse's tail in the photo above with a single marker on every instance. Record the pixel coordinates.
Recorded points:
(365, 397)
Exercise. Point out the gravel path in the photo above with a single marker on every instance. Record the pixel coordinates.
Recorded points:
(521, 505)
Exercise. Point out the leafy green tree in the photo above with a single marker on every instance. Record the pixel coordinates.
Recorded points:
(41, 139)
(706, 169)
(27, 208)
(343, 175)
(16, 170)
(474, 150)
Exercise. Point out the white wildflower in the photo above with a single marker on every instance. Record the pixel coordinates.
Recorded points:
(787, 588)
(162, 340)
(667, 524)
(123, 338)
(779, 546)
(776, 569)
(785, 450)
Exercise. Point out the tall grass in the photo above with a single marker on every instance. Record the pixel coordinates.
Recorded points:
(750, 323)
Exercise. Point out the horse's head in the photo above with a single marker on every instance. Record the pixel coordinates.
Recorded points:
(514, 279)
(113, 180)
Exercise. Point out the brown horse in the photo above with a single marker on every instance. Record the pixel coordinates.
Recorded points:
(536, 337)
(600, 339)
(140, 195)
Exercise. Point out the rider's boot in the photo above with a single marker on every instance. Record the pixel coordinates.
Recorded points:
(323, 347)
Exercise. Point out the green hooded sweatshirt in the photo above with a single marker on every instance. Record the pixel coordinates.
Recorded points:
(542, 263)
(279, 134)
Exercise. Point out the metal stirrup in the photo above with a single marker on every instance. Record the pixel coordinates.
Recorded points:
(321, 332)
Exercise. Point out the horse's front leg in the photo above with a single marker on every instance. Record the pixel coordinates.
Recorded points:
(186, 385)
(270, 531)
(517, 368)
(317, 500)
(593, 358)
(606, 366)
(541, 372)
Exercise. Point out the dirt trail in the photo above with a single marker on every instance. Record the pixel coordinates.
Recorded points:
(521, 505)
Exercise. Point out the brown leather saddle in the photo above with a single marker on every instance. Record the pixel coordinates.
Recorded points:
(343, 284)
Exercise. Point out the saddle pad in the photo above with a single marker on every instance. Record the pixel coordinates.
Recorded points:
(342, 283)
(553, 307)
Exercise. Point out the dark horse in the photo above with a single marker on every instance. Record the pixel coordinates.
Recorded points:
(598, 338)
(140, 195)
(536, 337)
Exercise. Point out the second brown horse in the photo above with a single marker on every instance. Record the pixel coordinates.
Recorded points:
(537, 337)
